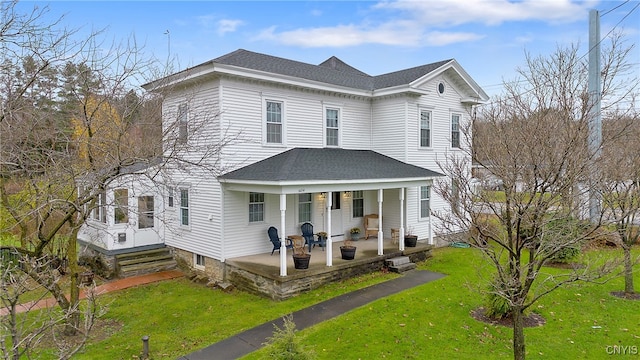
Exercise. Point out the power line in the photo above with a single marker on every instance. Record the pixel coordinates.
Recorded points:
(614, 8)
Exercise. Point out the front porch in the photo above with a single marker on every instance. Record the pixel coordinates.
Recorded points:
(260, 274)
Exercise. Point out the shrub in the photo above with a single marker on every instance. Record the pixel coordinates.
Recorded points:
(285, 345)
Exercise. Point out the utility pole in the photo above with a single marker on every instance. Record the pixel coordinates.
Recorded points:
(595, 117)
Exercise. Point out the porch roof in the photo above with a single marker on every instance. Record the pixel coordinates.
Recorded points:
(326, 169)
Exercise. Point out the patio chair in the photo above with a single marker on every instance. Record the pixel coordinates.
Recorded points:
(370, 225)
(275, 239)
(309, 237)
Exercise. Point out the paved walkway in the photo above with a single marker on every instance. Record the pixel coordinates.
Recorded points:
(104, 288)
(252, 339)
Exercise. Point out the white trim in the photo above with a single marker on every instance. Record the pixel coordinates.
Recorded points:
(325, 108)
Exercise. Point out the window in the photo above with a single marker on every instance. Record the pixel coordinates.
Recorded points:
(145, 212)
(184, 207)
(170, 198)
(425, 128)
(274, 122)
(183, 130)
(440, 88)
(455, 130)
(358, 203)
(100, 211)
(304, 207)
(335, 200)
(256, 207)
(332, 129)
(198, 261)
(121, 202)
(425, 201)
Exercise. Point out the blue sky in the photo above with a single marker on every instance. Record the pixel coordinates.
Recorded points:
(488, 38)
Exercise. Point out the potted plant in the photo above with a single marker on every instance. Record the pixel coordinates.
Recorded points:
(355, 233)
(301, 258)
(410, 240)
(322, 236)
(347, 250)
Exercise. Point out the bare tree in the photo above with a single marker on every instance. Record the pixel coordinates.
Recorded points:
(532, 145)
(21, 334)
(620, 186)
(74, 121)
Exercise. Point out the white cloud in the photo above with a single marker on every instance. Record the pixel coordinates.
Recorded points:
(227, 25)
(491, 12)
(400, 33)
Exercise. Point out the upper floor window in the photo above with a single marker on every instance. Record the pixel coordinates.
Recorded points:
(170, 197)
(145, 212)
(455, 130)
(256, 207)
(425, 128)
(304, 207)
(184, 207)
(121, 206)
(274, 122)
(183, 126)
(425, 201)
(100, 210)
(358, 203)
(332, 128)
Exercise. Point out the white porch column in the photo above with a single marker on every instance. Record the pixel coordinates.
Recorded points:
(401, 235)
(283, 236)
(380, 233)
(430, 230)
(329, 243)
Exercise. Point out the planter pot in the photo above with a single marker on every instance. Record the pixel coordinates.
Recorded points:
(301, 261)
(410, 240)
(355, 237)
(348, 252)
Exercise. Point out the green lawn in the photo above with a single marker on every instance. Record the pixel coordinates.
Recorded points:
(430, 321)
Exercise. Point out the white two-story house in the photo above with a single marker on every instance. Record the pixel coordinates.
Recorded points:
(326, 144)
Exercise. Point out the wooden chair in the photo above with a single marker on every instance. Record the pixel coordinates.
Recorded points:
(370, 225)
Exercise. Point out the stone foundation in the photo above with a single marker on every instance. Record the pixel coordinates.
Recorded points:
(213, 269)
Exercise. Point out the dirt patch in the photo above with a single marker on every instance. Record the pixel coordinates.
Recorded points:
(102, 329)
(624, 295)
(531, 320)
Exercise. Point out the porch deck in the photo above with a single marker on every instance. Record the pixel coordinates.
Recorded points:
(260, 274)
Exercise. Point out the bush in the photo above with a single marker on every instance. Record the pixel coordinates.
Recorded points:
(565, 255)
(497, 306)
(285, 345)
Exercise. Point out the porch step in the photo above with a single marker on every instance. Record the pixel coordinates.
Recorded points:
(400, 264)
(144, 262)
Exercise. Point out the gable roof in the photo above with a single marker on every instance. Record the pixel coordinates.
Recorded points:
(327, 164)
(332, 71)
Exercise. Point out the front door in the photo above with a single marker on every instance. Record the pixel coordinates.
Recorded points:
(337, 229)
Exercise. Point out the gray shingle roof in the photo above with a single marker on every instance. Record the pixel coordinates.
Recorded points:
(332, 71)
(304, 164)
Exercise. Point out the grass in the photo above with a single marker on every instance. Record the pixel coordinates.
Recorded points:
(429, 321)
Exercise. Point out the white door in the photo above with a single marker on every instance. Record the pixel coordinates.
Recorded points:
(337, 229)
(146, 228)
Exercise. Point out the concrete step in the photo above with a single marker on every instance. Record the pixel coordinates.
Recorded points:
(147, 268)
(402, 268)
(140, 254)
(398, 261)
(146, 259)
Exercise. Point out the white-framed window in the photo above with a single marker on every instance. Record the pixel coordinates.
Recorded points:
(100, 211)
(184, 207)
(357, 200)
(170, 196)
(274, 121)
(121, 206)
(425, 201)
(332, 126)
(455, 130)
(256, 207)
(425, 128)
(183, 123)
(304, 207)
(145, 212)
(198, 261)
